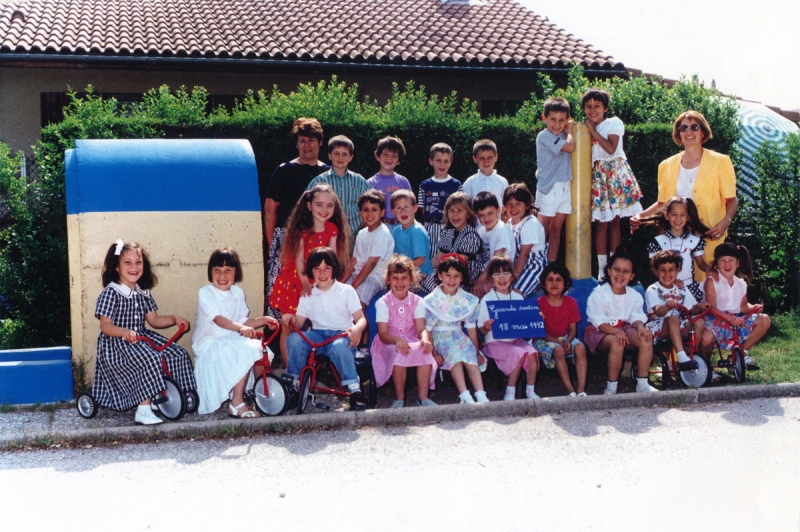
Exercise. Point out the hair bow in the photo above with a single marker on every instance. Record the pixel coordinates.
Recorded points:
(120, 244)
(454, 256)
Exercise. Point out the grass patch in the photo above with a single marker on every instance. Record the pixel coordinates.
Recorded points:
(778, 353)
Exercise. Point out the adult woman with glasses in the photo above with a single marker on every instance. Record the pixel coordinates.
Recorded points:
(703, 175)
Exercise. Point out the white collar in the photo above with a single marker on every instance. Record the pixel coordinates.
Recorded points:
(127, 291)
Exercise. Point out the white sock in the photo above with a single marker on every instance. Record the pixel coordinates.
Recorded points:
(683, 357)
(511, 390)
(611, 386)
(354, 387)
(529, 389)
(642, 382)
(602, 260)
(480, 394)
(466, 397)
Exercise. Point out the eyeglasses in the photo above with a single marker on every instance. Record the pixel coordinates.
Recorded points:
(407, 208)
(501, 275)
(683, 128)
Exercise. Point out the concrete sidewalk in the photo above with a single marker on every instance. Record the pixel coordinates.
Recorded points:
(47, 427)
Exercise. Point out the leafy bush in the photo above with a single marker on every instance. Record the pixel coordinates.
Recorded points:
(770, 227)
(33, 250)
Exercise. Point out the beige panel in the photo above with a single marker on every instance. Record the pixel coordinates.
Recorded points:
(179, 244)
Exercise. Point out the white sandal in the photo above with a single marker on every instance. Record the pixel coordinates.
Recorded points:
(233, 411)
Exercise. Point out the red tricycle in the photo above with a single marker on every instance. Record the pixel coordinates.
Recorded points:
(308, 375)
(270, 394)
(172, 401)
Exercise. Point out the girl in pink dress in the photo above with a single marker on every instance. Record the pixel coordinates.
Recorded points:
(317, 220)
(402, 340)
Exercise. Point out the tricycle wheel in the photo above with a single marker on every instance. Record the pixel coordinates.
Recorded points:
(739, 367)
(87, 406)
(277, 402)
(305, 390)
(192, 401)
(699, 377)
(175, 406)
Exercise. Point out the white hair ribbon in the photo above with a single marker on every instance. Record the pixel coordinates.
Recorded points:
(120, 244)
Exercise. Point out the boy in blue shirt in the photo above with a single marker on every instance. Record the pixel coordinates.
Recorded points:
(410, 238)
(554, 173)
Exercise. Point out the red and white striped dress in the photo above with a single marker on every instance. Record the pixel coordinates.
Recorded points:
(401, 323)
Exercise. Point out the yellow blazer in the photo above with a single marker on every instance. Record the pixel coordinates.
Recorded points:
(715, 182)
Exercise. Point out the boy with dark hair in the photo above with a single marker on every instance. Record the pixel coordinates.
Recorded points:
(433, 192)
(374, 247)
(484, 153)
(349, 186)
(497, 237)
(388, 153)
(554, 171)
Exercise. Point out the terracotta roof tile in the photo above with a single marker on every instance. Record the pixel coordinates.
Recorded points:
(501, 32)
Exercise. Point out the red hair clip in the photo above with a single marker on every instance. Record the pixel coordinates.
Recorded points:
(454, 256)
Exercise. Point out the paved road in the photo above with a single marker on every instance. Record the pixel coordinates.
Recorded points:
(731, 466)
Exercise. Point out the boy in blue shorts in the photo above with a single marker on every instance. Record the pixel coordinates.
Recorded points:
(410, 238)
(554, 173)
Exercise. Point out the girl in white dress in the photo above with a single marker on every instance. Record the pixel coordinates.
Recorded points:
(224, 342)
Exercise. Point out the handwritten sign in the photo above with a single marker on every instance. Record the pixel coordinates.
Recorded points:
(515, 319)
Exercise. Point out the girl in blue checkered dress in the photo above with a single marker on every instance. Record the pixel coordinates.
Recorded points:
(128, 371)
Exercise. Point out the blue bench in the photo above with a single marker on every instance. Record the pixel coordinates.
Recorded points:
(42, 375)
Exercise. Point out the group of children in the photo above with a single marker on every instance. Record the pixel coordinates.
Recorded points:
(478, 242)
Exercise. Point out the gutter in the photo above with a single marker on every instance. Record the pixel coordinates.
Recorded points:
(206, 63)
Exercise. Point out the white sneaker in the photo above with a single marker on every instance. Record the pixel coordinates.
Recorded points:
(572, 394)
(145, 416)
(532, 395)
(509, 396)
(465, 398)
(645, 388)
(611, 388)
(480, 397)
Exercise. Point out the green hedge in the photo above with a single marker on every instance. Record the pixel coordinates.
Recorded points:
(33, 256)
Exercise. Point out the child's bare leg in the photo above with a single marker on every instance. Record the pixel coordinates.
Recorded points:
(238, 394)
(533, 368)
(457, 374)
(580, 366)
(561, 368)
(365, 334)
(514, 375)
(614, 233)
(399, 380)
(423, 381)
(614, 356)
(601, 238)
(645, 355)
(673, 326)
(707, 343)
(285, 332)
(475, 377)
(554, 235)
(760, 328)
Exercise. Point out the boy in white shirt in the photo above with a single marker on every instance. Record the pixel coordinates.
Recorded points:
(332, 308)
(498, 239)
(484, 153)
(374, 247)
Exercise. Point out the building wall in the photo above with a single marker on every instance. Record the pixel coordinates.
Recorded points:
(20, 88)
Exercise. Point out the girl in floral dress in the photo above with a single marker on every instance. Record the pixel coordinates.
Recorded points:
(447, 309)
(615, 191)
